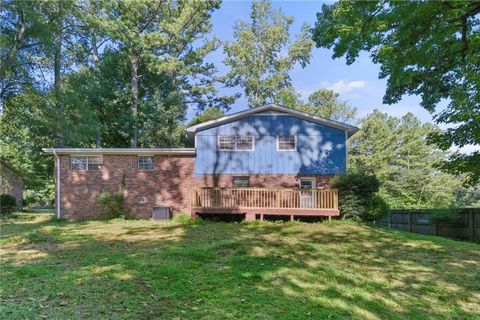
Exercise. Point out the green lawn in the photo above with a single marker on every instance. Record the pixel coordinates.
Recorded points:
(140, 269)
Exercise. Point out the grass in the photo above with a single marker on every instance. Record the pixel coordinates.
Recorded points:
(139, 269)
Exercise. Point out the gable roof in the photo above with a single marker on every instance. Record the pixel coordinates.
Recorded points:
(192, 130)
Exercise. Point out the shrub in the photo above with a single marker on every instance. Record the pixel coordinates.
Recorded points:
(113, 205)
(357, 196)
(376, 208)
(8, 204)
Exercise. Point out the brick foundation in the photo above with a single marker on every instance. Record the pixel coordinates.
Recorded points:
(170, 184)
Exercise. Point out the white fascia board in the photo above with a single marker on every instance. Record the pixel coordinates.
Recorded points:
(191, 131)
(124, 151)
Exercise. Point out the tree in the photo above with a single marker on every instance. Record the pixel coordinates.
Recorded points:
(431, 49)
(24, 36)
(397, 153)
(159, 36)
(262, 54)
(67, 67)
(326, 103)
(207, 115)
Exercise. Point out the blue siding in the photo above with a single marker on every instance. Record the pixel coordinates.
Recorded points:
(320, 149)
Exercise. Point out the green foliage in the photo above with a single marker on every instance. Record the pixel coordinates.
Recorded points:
(447, 215)
(88, 102)
(424, 48)
(326, 103)
(207, 115)
(376, 207)
(467, 198)
(185, 218)
(257, 57)
(113, 205)
(8, 204)
(42, 195)
(397, 152)
(358, 199)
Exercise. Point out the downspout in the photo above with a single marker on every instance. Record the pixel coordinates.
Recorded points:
(59, 203)
(346, 151)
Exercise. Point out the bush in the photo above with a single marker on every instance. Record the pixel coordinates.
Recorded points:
(376, 208)
(8, 204)
(357, 196)
(113, 205)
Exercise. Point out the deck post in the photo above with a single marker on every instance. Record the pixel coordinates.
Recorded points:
(291, 217)
(329, 219)
(261, 217)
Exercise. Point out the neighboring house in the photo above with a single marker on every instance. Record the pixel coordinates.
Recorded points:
(11, 182)
(267, 160)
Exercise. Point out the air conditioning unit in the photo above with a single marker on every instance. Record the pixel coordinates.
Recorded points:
(161, 213)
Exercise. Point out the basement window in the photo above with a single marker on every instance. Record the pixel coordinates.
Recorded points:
(86, 162)
(146, 163)
(241, 181)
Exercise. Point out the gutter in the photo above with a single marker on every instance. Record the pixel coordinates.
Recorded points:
(58, 208)
(121, 151)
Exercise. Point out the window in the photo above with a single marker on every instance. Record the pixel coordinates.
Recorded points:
(86, 163)
(307, 183)
(287, 143)
(241, 182)
(226, 142)
(146, 163)
(236, 143)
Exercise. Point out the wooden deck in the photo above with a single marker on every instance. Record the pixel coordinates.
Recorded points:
(253, 201)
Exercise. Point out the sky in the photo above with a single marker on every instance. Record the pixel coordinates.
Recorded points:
(357, 83)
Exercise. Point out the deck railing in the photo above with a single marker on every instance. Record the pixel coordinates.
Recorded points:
(228, 198)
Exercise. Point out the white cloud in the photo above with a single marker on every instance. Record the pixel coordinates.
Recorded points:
(345, 86)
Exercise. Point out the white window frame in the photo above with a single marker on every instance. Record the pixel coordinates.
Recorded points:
(289, 150)
(86, 164)
(235, 143)
(145, 156)
(311, 179)
(240, 177)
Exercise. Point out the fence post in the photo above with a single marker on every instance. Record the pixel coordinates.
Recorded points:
(471, 225)
(409, 221)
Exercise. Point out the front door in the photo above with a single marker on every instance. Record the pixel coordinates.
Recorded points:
(307, 193)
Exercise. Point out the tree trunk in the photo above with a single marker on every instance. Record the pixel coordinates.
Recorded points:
(98, 129)
(57, 73)
(134, 99)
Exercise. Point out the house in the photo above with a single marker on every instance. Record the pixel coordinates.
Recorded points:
(267, 160)
(11, 182)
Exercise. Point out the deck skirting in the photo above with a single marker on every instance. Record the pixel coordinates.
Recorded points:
(270, 211)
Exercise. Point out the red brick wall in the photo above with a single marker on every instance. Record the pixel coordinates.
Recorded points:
(169, 184)
(12, 184)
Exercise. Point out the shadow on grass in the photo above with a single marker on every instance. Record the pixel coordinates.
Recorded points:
(257, 270)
